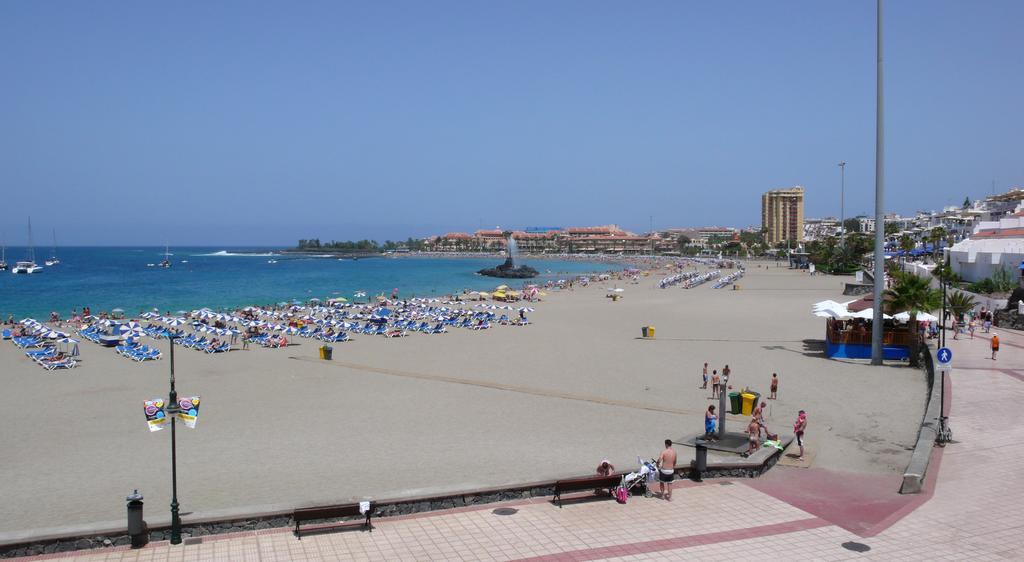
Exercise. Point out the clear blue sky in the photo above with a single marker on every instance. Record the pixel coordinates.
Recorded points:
(260, 123)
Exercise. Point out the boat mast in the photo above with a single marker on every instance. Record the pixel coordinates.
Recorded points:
(31, 248)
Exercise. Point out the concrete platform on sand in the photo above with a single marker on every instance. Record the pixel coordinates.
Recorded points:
(731, 445)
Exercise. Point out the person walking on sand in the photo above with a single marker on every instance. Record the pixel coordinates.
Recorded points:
(710, 421)
(995, 345)
(667, 470)
(971, 326)
(799, 427)
(716, 381)
(956, 328)
(705, 376)
(774, 387)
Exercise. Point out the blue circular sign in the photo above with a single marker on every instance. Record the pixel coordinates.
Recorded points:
(944, 355)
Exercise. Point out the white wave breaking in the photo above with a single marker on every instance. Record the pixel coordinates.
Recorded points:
(238, 254)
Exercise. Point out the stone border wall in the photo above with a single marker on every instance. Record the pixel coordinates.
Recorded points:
(913, 476)
(382, 508)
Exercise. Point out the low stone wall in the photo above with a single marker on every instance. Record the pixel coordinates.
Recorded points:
(382, 508)
(913, 476)
(1009, 319)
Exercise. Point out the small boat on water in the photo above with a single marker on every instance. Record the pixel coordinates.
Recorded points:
(53, 258)
(167, 257)
(271, 261)
(28, 266)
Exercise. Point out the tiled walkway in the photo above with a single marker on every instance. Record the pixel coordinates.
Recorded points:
(972, 507)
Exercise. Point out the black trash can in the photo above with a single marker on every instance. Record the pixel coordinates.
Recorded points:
(700, 464)
(328, 352)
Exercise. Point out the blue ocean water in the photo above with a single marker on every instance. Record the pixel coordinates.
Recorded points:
(107, 278)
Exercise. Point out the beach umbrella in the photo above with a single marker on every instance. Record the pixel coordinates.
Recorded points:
(291, 330)
(921, 317)
(868, 314)
(176, 321)
(526, 308)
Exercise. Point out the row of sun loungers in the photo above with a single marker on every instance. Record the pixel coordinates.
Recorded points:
(728, 279)
(202, 344)
(49, 359)
(138, 352)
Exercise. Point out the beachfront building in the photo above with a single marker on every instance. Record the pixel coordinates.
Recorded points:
(782, 215)
(819, 229)
(993, 245)
(536, 242)
(452, 242)
(609, 239)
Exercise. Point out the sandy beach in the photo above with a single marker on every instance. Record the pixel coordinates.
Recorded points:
(432, 413)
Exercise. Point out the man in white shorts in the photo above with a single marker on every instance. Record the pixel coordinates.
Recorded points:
(667, 470)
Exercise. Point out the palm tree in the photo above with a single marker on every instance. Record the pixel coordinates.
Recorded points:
(958, 303)
(912, 294)
(938, 234)
(906, 244)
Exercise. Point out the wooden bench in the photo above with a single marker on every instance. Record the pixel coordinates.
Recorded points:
(585, 483)
(331, 512)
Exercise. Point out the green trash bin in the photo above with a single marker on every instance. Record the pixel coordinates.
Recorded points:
(735, 403)
(757, 398)
(328, 352)
(643, 331)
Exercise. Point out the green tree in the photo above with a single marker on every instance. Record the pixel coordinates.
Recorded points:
(937, 235)
(957, 303)
(967, 202)
(911, 294)
(906, 244)
(683, 241)
(891, 228)
(851, 226)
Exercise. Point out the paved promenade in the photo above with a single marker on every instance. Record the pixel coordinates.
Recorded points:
(972, 506)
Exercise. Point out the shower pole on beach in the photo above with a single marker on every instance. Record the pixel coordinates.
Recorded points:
(876, 323)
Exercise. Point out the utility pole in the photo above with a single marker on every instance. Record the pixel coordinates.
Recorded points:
(877, 320)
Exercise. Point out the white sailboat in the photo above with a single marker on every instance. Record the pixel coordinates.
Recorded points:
(29, 265)
(53, 257)
(167, 257)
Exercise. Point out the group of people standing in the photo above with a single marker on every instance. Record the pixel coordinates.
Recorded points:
(969, 323)
(719, 384)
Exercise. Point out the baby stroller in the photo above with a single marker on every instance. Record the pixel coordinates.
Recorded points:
(642, 479)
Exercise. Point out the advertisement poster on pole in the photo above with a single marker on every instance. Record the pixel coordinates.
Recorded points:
(156, 418)
(189, 411)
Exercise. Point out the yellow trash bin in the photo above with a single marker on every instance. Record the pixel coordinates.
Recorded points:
(748, 403)
(322, 351)
(650, 331)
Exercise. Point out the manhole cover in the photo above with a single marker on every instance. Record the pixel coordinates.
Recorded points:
(505, 511)
(856, 546)
(725, 484)
(195, 540)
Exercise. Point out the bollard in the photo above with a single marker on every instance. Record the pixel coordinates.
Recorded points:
(701, 463)
(138, 531)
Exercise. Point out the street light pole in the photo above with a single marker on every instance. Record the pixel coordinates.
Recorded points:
(172, 412)
(842, 203)
(876, 326)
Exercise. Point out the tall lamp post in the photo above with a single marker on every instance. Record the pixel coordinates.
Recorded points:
(173, 409)
(842, 203)
(876, 326)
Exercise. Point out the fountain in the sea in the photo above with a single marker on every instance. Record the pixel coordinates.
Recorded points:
(509, 269)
